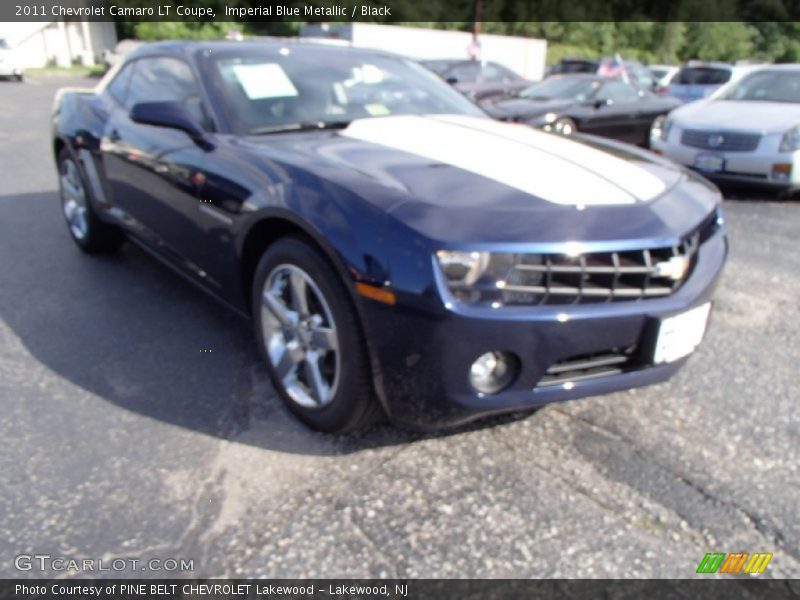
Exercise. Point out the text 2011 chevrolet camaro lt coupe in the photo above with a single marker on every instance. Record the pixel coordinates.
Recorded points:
(397, 250)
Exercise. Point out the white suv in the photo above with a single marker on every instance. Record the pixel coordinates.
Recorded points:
(9, 67)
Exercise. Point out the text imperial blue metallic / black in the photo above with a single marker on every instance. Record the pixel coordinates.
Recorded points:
(398, 251)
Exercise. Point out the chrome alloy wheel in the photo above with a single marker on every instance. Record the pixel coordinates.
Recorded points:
(73, 199)
(300, 335)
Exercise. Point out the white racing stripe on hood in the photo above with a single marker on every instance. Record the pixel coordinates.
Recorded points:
(541, 164)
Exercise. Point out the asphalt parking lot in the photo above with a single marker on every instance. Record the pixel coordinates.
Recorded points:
(122, 439)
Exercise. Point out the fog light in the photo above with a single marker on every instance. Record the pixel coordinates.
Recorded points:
(782, 171)
(493, 371)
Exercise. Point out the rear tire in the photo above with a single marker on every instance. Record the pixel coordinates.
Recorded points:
(565, 126)
(87, 230)
(310, 338)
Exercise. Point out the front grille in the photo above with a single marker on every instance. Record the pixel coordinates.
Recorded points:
(724, 141)
(590, 366)
(632, 275)
(598, 276)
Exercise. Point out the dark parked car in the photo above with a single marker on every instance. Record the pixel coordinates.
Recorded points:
(592, 104)
(478, 80)
(397, 251)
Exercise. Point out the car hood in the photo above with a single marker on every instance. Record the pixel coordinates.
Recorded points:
(523, 107)
(767, 117)
(469, 179)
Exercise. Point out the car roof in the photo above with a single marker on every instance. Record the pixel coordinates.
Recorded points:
(780, 67)
(588, 76)
(187, 48)
(703, 64)
(451, 62)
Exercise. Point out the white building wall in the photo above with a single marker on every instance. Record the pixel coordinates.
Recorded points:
(524, 55)
(59, 43)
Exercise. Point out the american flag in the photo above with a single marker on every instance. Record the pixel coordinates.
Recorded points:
(613, 67)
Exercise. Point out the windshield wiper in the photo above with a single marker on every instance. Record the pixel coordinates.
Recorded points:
(300, 126)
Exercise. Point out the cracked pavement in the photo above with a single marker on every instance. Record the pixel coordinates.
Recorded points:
(122, 439)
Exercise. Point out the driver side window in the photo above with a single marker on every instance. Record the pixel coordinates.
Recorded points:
(466, 72)
(618, 92)
(163, 79)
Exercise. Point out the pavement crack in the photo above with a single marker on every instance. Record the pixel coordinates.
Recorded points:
(757, 523)
(372, 544)
(568, 482)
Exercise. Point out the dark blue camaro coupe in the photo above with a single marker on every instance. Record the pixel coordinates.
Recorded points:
(398, 251)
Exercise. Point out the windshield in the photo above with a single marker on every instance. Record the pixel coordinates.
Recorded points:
(562, 89)
(272, 89)
(767, 86)
(659, 73)
(702, 76)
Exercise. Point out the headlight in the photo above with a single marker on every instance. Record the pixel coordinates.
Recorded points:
(791, 140)
(474, 276)
(665, 129)
(462, 268)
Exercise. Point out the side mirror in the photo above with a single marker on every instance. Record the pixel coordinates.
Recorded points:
(173, 115)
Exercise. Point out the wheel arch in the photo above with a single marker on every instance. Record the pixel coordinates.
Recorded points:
(58, 145)
(278, 224)
(273, 226)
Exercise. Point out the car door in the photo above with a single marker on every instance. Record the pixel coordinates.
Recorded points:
(154, 174)
(615, 112)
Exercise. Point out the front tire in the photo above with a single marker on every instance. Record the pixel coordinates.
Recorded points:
(310, 338)
(565, 126)
(91, 234)
(656, 130)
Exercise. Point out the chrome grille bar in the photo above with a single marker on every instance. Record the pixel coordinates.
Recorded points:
(596, 276)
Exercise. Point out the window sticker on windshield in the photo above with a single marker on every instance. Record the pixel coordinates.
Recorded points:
(265, 80)
(376, 110)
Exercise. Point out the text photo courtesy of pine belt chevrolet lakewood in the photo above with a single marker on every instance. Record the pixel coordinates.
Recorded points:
(398, 251)
(748, 132)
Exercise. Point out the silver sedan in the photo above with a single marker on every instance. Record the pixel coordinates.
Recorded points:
(748, 132)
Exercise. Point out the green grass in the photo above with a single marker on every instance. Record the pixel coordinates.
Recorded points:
(76, 71)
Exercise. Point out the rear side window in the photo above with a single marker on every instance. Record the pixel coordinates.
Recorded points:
(164, 79)
(118, 88)
(702, 76)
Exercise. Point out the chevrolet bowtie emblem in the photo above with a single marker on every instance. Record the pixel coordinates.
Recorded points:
(674, 268)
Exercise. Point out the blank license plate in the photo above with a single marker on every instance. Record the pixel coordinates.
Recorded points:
(710, 163)
(678, 336)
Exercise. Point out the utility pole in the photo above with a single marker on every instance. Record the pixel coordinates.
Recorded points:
(475, 46)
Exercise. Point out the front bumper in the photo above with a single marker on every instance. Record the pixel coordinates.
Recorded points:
(743, 168)
(9, 71)
(422, 360)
